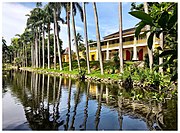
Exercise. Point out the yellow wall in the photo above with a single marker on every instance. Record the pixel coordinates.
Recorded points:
(90, 55)
(65, 58)
(81, 55)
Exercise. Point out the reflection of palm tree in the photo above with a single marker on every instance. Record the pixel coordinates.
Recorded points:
(99, 108)
(48, 94)
(42, 92)
(58, 98)
(59, 91)
(39, 120)
(69, 106)
(54, 92)
(107, 94)
(86, 108)
(120, 117)
(75, 107)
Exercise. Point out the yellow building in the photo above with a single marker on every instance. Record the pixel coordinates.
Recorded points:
(65, 55)
(133, 48)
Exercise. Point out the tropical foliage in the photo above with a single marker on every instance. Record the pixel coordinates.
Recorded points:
(162, 18)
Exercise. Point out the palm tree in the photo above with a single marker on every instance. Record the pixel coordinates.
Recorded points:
(26, 39)
(33, 24)
(40, 17)
(66, 6)
(150, 52)
(42, 29)
(56, 13)
(120, 38)
(73, 12)
(39, 52)
(48, 14)
(86, 37)
(43, 42)
(98, 38)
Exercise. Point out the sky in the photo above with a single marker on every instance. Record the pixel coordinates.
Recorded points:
(14, 20)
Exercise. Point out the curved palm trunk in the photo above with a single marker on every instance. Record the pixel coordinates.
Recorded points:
(120, 38)
(69, 41)
(43, 45)
(54, 48)
(86, 38)
(150, 52)
(98, 38)
(75, 40)
(48, 43)
(57, 38)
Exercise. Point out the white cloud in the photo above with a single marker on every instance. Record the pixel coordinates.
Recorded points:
(13, 20)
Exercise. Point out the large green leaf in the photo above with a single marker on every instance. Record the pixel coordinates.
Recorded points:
(172, 21)
(150, 40)
(167, 52)
(143, 16)
(138, 29)
(163, 19)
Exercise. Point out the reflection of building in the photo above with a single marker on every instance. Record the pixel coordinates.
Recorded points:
(92, 89)
(133, 49)
(95, 90)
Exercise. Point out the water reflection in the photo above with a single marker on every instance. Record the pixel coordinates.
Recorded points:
(86, 109)
(66, 126)
(57, 103)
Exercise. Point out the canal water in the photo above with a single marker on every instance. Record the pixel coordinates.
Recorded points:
(33, 101)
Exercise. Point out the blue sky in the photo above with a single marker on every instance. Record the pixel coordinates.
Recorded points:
(107, 14)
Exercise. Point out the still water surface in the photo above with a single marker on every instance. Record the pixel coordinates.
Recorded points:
(39, 102)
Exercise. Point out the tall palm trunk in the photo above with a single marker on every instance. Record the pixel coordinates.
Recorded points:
(150, 52)
(75, 40)
(26, 55)
(54, 48)
(39, 51)
(160, 58)
(98, 38)
(48, 47)
(120, 38)
(32, 57)
(23, 62)
(86, 37)
(36, 48)
(43, 37)
(69, 40)
(57, 38)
